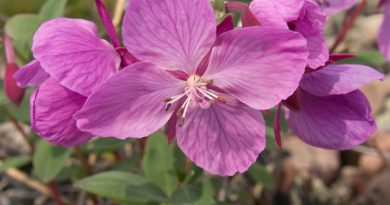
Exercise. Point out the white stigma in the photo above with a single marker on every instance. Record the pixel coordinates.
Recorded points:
(196, 94)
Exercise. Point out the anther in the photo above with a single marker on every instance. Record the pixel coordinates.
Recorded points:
(167, 99)
(167, 106)
(181, 122)
(221, 99)
(180, 112)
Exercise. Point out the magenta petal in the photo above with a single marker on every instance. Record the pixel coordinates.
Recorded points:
(276, 12)
(130, 103)
(338, 79)
(333, 122)
(310, 24)
(174, 34)
(31, 74)
(52, 109)
(71, 51)
(223, 139)
(226, 25)
(332, 7)
(384, 33)
(258, 65)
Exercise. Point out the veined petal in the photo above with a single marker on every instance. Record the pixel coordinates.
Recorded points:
(258, 65)
(384, 33)
(276, 12)
(52, 109)
(338, 79)
(318, 51)
(71, 51)
(31, 75)
(333, 122)
(173, 34)
(223, 139)
(310, 24)
(130, 103)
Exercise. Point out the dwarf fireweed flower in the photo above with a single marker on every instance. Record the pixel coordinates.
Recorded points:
(70, 60)
(213, 86)
(384, 33)
(302, 16)
(328, 110)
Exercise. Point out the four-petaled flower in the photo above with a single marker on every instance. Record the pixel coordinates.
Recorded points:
(214, 85)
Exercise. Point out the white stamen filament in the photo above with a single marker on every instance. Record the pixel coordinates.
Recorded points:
(196, 89)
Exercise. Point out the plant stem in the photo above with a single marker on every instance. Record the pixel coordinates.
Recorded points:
(348, 23)
(18, 127)
(84, 163)
(56, 194)
(107, 23)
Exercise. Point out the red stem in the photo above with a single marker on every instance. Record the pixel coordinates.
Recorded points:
(56, 194)
(107, 22)
(348, 24)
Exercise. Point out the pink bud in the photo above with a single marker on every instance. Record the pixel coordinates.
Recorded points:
(13, 92)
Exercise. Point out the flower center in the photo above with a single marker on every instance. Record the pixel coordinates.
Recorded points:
(196, 94)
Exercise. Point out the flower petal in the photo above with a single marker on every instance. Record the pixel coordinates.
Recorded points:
(130, 103)
(174, 34)
(276, 12)
(338, 79)
(52, 109)
(31, 75)
(223, 139)
(310, 24)
(71, 51)
(332, 7)
(258, 65)
(384, 33)
(333, 122)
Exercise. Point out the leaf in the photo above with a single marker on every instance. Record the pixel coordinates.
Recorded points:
(123, 187)
(49, 160)
(372, 58)
(192, 196)
(15, 162)
(21, 29)
(104, 145)
(260, 175)
(158, 163)
(52, 9)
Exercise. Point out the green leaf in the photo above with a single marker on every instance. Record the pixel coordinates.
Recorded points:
(372, 58)
(123, 187)
(104, 145)
(260, 175)
(52, 9)
(49, 160)
(191, 196)
(16, 162)
(21, 29)
(158, 163)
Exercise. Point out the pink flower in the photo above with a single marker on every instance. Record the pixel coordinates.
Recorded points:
(302, 16)
(214, 85)
(70, 60)
(384, 33)
(332, 112)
